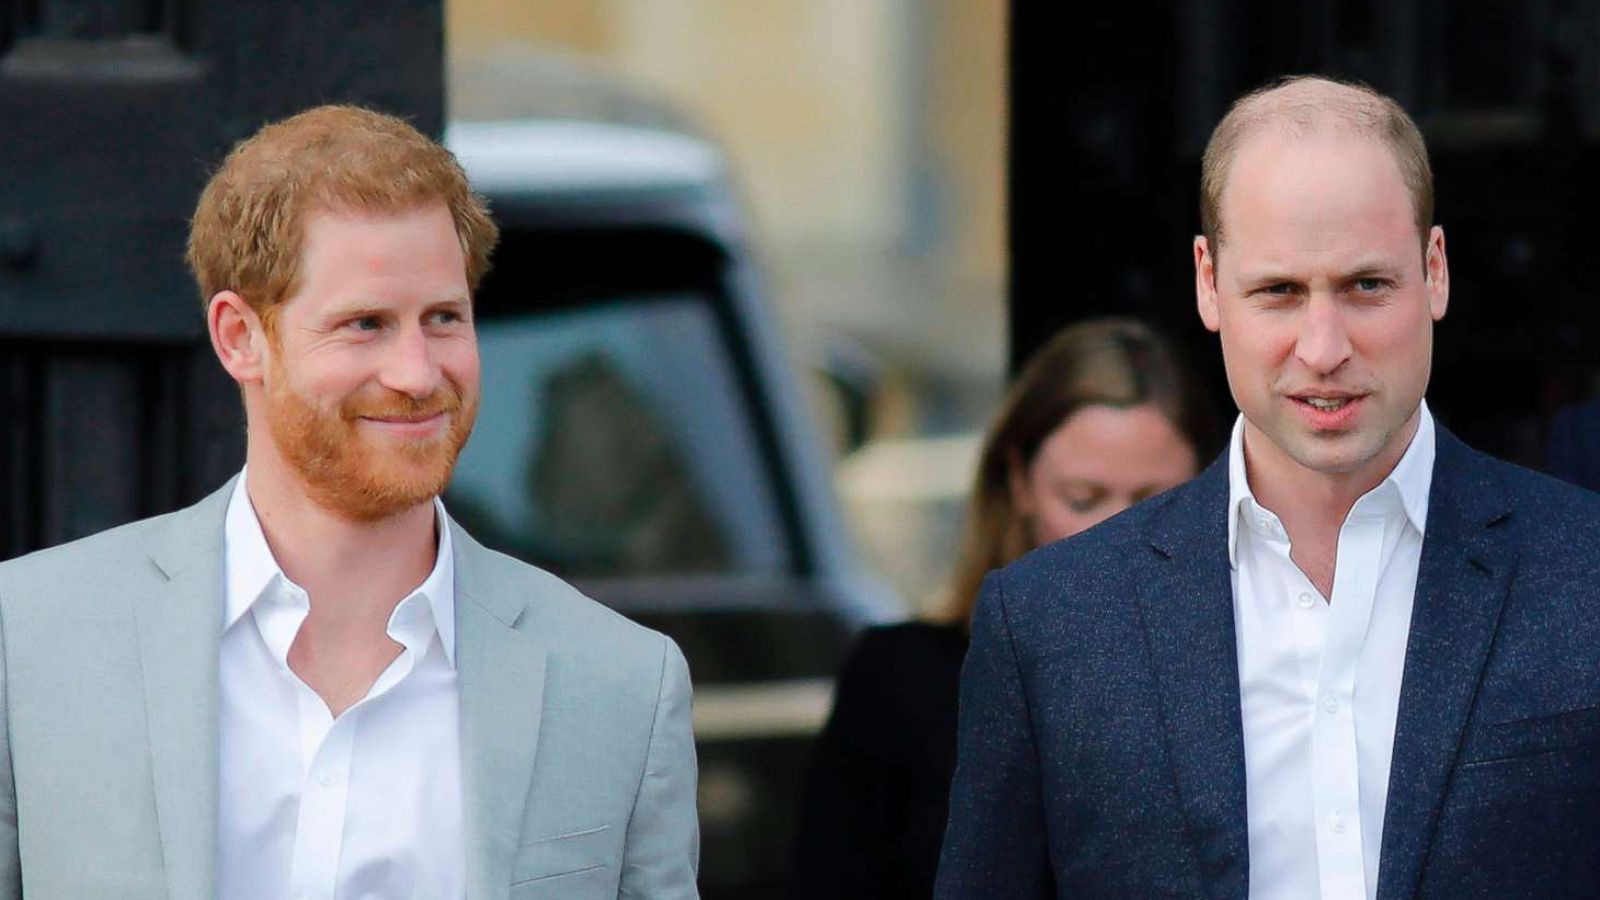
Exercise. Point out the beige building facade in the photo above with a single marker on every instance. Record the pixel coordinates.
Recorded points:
(868, 139)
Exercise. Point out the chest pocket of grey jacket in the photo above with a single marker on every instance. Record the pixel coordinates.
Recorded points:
(559, 855)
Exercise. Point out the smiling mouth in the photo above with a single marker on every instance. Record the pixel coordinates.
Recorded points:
(404, 420)
(1327, 404)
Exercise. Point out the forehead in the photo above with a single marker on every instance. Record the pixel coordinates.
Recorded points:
(353, 260)
(1322, 193)
(418, 243)
(1114, 445)
(376, 229)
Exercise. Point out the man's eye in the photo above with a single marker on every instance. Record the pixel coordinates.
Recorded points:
(366, 323)
(446, 317)
(1369, 285)
(1281, 289)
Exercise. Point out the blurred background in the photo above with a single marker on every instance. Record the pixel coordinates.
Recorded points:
(868, 142)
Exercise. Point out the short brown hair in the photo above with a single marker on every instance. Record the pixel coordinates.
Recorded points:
(248, 227)
(1301, 104)
(1113, 362)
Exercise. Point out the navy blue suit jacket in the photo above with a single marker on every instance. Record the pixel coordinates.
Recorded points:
(1101, 752)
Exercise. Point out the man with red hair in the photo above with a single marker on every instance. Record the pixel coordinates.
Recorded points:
(313, 683)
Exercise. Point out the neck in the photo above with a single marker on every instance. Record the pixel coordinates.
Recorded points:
(1313, 505)
(355, 569)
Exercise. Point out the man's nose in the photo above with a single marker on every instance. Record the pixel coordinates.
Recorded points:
(1323, 344)
(409, 367)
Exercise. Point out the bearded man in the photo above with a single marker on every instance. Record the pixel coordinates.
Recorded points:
(312, 684)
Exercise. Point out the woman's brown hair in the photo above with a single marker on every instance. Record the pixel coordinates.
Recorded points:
(1102, 362)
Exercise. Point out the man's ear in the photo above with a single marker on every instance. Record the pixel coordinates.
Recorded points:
(1437, 268)
(1205, 283)
(237, 336)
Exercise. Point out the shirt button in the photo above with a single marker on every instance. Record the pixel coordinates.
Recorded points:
(1336, 822)
(326, 779)
(1305, 600)
(1331, 705)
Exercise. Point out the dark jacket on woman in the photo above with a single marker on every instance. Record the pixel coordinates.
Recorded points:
(873, 814)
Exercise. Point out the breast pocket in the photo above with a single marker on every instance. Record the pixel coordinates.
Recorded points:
(1539, 762)
(1523, 810)
(1576, 728)
(564, 860)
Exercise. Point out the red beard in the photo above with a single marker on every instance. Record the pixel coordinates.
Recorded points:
(355, 475)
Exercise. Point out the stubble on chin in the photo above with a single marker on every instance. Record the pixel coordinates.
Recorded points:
(1337, 453)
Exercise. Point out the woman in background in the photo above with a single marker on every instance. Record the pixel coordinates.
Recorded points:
(1100, 419)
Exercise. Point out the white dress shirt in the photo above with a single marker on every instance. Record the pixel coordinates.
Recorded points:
(1319, 681)
(361, 807)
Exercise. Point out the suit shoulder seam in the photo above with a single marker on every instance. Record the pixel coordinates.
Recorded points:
(650, 740)
(1016, 660)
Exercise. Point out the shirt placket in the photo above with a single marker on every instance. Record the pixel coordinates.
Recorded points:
(326, 747)
(1307, 614)
(324, 795)
(1335, 772)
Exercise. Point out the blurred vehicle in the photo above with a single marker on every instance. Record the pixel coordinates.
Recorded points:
(643, 435)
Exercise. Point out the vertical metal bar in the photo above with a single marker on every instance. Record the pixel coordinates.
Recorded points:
(19, 451)
(161, 409)
(212, 436)
(91, 441)
(1400, 65)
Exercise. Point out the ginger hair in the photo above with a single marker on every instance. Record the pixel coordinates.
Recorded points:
(248, 228)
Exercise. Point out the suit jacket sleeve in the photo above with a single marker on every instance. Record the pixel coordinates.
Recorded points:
(994, 845)
(661, 856)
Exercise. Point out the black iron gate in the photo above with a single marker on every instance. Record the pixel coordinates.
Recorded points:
(1109, 118)
(112, 112)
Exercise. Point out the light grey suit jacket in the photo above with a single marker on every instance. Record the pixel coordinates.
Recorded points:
(577, 747)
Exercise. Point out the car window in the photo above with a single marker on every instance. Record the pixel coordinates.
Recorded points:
(613, 440)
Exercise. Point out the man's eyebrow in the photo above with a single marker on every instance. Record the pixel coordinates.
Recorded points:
(356, 308)
(353, 309)
(1362, 269)
(1370, 270)
(1267, 276)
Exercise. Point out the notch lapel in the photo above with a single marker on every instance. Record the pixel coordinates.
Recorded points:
(179, 631)
(500, 674)
(1462, 582)
(1186, 602)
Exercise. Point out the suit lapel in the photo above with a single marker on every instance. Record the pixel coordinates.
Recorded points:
(1186, 601)
(1462, 582)
(501, 683)
(501, 679)
(180, 626)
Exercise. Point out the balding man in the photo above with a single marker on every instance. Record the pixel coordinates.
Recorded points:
(1354, 659)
